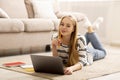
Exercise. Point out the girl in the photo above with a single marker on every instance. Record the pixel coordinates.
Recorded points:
(72, 48)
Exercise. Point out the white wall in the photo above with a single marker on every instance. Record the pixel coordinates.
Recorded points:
(110, 10)
(113, 23)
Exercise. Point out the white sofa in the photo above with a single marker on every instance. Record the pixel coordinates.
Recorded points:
(24, 29)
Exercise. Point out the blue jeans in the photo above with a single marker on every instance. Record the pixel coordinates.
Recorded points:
(97, 50)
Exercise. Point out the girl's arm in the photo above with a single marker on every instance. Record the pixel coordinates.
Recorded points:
(71, 69)
(76, 67)
(54, 47)
(54, 51)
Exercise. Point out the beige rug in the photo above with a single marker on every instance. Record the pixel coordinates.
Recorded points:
(109, 65)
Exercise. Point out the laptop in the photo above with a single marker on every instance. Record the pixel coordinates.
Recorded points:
(47, 64)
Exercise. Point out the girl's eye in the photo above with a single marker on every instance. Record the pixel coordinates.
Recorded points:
(68, 25)
(62, 24)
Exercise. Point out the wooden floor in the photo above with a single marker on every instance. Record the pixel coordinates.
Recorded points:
(115, 76)
(11, 75)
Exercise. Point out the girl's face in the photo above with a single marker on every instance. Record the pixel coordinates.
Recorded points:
(66, 27)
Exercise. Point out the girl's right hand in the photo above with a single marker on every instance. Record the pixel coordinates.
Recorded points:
(56, 42)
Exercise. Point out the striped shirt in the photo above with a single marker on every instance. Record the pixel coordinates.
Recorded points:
(81, 48)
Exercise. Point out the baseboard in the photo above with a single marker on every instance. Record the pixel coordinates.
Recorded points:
(117, 44)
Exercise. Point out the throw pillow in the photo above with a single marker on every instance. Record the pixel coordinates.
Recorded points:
(43, 9)
(3, 14)
(29, 8)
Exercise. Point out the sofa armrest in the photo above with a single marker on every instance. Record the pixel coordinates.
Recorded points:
(38, 25)
(11, 25)
(79, 16)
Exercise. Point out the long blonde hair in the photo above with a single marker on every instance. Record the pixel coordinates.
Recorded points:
(73, 53)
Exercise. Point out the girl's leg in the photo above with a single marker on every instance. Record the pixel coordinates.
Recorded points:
(97, 51)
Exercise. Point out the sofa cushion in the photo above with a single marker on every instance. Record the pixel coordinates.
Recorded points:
(3, 14)
(14, 8)
(29, 8)
(43, 9)
(36, 25)
(11, 25)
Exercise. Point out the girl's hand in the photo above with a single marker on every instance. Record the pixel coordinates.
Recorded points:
(56, 42)
(68, 70)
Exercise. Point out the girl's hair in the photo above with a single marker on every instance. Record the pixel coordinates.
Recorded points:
(73, 53)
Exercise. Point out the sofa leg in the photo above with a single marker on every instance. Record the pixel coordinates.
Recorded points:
(47, 48)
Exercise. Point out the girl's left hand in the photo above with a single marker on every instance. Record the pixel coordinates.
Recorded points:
(68, 70)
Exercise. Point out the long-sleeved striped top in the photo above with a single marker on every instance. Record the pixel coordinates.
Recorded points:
(81, 47)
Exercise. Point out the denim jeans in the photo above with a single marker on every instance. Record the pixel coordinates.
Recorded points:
(97, 50)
